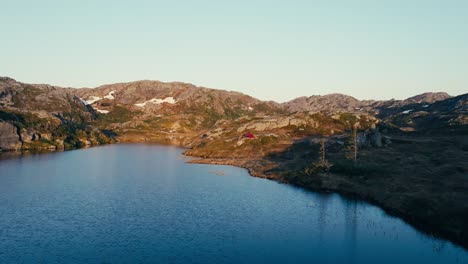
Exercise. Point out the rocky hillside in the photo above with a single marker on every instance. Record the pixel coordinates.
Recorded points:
(43, 117)
(37, 116)
(171, 113)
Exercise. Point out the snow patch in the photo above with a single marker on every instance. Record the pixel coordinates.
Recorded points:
(83, 101)
(169, 100)
(101, 111)
(407, 111)
(93, 99)
(425, 106)
(110, 95)
(250, 108)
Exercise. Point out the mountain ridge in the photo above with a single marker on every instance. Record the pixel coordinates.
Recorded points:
(423, 97)
(176, 112)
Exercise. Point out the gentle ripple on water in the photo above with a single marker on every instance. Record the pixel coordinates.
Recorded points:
(144, 204)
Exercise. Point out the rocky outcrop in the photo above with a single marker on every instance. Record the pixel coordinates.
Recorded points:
(29, 135)
(372, 138)
(275, 123)
(9, 138)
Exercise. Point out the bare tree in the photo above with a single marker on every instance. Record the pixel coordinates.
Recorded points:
(322, 151)
(324, 163)
(352, 149)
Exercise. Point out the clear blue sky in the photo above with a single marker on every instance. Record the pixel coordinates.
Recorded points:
(269, 49)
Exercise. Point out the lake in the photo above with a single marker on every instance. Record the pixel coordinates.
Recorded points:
(145, 204)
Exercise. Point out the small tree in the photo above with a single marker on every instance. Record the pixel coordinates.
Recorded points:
(351, 150)
(322, 165)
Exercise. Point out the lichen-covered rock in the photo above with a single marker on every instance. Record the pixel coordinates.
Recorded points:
(275, 123)
(372, 138)
(60, 144)
(9, 138)
(29, 135)
(46, 136)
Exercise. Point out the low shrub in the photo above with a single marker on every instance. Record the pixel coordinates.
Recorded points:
(350, 168)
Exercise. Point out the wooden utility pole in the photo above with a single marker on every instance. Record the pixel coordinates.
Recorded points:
(355, 139)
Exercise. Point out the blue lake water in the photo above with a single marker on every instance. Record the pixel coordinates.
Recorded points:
(144, 204)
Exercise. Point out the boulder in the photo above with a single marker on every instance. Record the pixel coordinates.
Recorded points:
(9, 138)
(29, 135)
(274, 123)
(363, 140)
(372, 138)
(46, 136)
(60, 144)
(375, 138)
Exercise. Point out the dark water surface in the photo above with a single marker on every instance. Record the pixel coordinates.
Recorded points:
(144, 204)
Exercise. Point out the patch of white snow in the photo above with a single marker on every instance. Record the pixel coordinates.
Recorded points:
(83, 101)
(93, 99)
(102, 111)
(110, 95)
(407, 111)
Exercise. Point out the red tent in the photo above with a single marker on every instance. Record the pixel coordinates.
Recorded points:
(249, 135)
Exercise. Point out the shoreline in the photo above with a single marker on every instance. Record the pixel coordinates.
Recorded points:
(426, 227)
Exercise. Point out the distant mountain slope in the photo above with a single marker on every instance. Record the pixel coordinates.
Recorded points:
(332, 103)
(428, 97)
(327, 104)
(154, 97)
(428, 116)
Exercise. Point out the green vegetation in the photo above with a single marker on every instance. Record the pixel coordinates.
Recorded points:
(23, 120)
(9, 116)
(348, 118)
(71, 127)
(27, 95)
(234, 113)
(210, 117)
(118, 114)
(350, 168)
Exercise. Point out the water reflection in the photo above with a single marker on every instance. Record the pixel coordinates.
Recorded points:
(351, 227)
(140, 203)
(322, 201)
